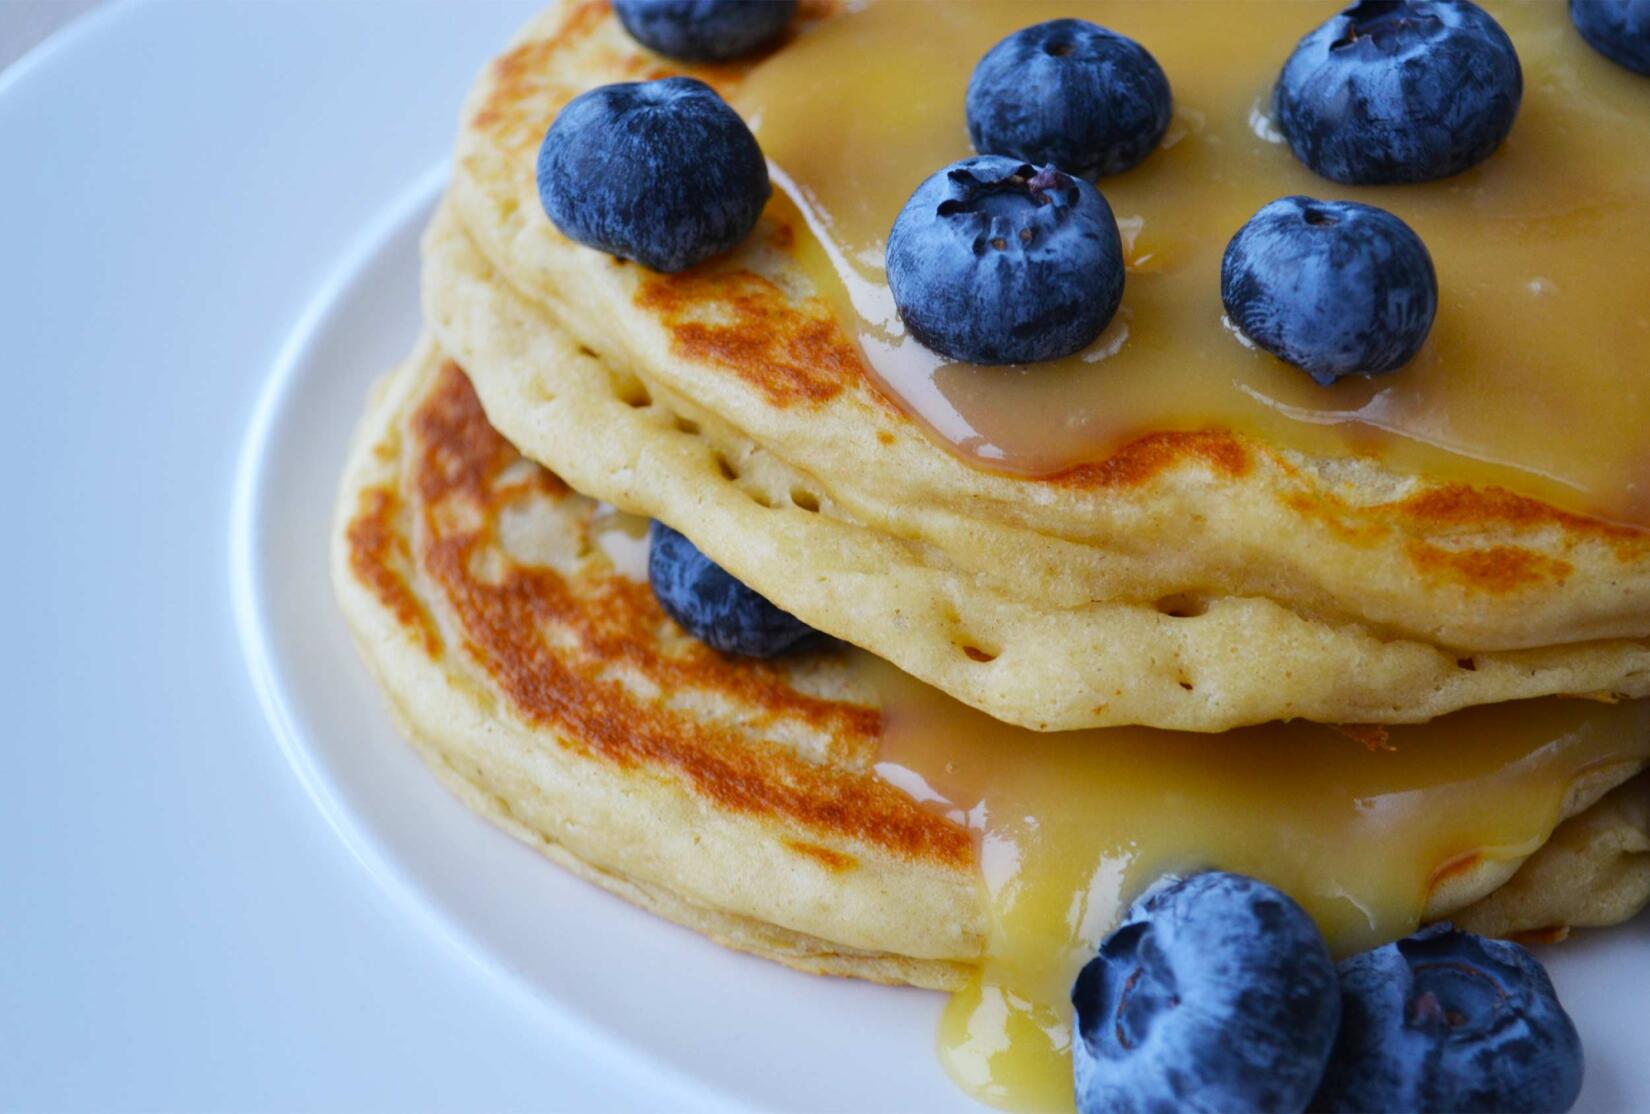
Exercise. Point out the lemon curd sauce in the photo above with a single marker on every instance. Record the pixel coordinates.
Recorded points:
(1363, 829)
(1536, 375)
(1368, 828)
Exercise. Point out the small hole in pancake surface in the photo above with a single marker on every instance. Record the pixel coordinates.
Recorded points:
(1183, 605)
(686, 425)
(805, 499)
(630, 390)
(977, 654)
(1187, 685)
(723, 465)
(1469, 664)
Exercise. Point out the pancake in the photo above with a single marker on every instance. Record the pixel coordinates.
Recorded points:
(499, 612)
(1137, 588)
(657, 453)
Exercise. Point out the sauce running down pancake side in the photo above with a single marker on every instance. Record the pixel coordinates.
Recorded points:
(1536, 375)
(1360, 825)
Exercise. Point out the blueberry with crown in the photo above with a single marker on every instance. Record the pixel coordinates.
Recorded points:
(996, 261)
(1217, 994)
(1395, 91)
(714, 606)
(1072, 94)
(662, 172)
(1334, 287)
(705, 30)
(1617, 29)
(1450, 1022)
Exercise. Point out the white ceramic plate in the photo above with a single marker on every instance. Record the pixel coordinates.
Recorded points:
(336, 184)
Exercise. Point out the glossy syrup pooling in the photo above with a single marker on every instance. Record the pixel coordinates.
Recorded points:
(1360, 826)
(1072, 826)
(1536, 375)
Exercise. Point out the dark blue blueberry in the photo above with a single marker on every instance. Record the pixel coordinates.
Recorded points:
(994, 261)
(1448, 1021)
(1070, 93)
(1617, 29)
(1334, 287)
(1216, 995)
(1393, 91)
(705, 30)
(662, 172)
(714, 607)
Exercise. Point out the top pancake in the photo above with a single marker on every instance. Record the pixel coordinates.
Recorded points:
(1334, 541)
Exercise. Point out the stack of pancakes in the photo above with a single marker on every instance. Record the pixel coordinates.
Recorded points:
(490, 556)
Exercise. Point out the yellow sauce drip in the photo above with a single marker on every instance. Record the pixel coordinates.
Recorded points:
(1536, 375)
(1073, 826)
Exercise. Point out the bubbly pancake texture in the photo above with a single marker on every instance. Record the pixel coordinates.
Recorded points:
(1193, 661)
(501, 614)
(1313, 544)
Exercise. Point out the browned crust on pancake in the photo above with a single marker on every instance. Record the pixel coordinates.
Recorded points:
(378, 552)
(455, 460)
(834, 861)
(1498, 569)
(1467, 506)
(1495, 569)
(1136, 463)
(1461, 864)
(741, 321)
(519, 70)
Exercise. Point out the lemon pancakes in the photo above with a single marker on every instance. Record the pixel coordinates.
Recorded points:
(1095, 621)
(832, 813)
(1385, 569)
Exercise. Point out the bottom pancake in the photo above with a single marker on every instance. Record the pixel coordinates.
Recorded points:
(507, 620)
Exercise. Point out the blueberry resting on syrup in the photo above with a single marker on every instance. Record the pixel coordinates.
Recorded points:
(705, 30)
(996, 261)
(1333, 287)
(1072, 94)
(1393, 91)
(1217, 994)
(1448, 1021)
(1617, 29)
(713, 606)
(662, 172)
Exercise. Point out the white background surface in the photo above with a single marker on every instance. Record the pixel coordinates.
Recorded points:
(179, 926)
(23, 23)
(205, 207)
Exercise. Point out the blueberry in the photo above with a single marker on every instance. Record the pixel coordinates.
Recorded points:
(663, 172)
(705, 30)
(1392, 91)
(1070, 93)
(1334, 287)
(994, 261)
(1617, 29)
(1216, 994)
(1448, 1021)
(714, 607)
